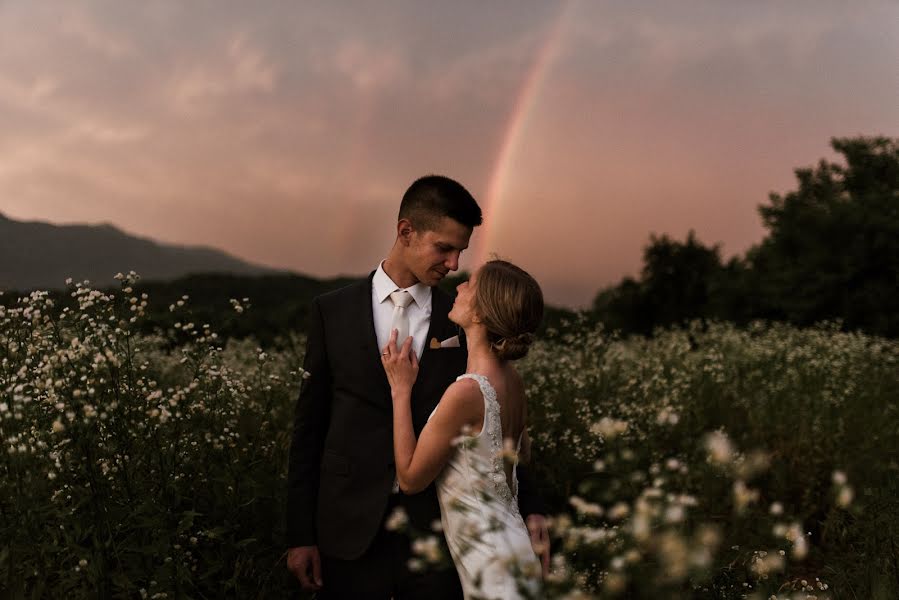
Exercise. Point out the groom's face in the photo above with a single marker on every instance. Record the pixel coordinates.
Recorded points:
(432, 254)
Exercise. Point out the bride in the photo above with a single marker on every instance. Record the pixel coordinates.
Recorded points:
(480, 418)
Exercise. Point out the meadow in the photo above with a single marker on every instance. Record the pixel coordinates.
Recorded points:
(703, 462)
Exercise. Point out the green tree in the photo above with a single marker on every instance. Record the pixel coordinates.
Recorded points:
(832, 251)
(622, 307)
(678, 278)
(677, 283)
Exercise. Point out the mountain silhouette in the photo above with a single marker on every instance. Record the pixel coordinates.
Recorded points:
(37, 255)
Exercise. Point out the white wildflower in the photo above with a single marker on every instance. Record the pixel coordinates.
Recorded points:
(609, 428)
(719, 447)
(839, 478)
(397, 520)
(845, 496)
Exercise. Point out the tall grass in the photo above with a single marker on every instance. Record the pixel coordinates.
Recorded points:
(747, 437)
(681, 466)
(135, 468)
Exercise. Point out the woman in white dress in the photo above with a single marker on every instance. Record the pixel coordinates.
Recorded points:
(471, 439)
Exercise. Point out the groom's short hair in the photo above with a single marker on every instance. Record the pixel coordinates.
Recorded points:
(432, 197)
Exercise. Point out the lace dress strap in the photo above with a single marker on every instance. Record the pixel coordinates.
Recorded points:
(493, 429)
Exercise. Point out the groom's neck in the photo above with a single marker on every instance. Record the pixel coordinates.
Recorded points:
(398, 272)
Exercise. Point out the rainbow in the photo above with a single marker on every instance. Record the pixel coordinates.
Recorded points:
(515, 128)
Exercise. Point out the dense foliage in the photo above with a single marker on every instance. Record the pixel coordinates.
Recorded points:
(132, 467)
(735, 459)
(153, 465)
(831, 253)
(280, 305)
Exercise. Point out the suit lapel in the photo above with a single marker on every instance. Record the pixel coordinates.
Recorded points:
(366, 310)
(440, 307)
(371, 353)
(439, 367)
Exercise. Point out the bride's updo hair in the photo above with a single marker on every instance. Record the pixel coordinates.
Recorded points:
(510, 303)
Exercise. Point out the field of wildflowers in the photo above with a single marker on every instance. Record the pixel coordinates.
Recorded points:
(717, 462)
(711, 462)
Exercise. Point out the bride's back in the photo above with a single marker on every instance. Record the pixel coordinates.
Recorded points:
(510, 394)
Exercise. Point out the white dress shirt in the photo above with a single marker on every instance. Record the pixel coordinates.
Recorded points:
(418, 311)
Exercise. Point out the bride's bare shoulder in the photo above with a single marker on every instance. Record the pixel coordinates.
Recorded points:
(464, 385)
(465, 392)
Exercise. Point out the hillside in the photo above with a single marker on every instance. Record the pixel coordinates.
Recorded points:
(43, 255)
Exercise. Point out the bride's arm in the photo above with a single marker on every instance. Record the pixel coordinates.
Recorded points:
(419, 462)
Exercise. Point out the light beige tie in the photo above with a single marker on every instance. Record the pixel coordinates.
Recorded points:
(400, 321)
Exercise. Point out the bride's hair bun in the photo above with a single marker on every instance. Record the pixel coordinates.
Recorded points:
(510, 304)
(513, 347)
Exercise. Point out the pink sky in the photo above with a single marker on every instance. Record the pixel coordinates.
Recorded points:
(286, 133)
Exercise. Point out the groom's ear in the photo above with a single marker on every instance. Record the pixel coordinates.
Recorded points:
(404, 231)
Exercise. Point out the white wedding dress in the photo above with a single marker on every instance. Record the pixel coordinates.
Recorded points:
(487, 537)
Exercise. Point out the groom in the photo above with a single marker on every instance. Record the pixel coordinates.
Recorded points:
(342, 478)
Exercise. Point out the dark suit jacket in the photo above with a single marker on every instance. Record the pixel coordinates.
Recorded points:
(341, 469)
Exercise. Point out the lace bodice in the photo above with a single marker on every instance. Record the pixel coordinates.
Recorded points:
(492, 431)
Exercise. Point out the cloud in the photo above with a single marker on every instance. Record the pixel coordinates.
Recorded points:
(240, 69)
(287, 133)
(368, 68)
(25, 95)
(80, 25)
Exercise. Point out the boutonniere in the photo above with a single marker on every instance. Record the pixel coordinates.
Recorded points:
(452, 342)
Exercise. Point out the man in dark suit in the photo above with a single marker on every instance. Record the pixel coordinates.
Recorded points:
(342, 479)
